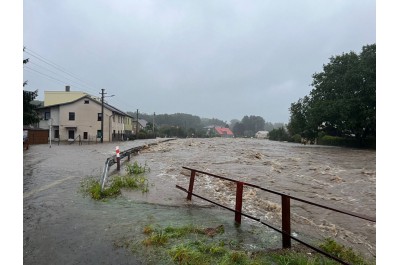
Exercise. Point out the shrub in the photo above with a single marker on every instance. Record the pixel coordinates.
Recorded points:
(136, 168)
(296, 138)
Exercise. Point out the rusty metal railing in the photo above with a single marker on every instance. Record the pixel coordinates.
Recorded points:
(285, 205)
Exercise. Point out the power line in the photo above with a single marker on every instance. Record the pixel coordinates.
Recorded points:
(57, 66)
(28, 68)
(58, 75)
(70, 81)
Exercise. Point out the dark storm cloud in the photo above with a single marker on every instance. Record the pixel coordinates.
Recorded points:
(222, 59)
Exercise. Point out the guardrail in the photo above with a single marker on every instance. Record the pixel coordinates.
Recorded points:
(285, 204)
(116, 159)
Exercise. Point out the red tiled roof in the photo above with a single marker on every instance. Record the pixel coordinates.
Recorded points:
(222, 131)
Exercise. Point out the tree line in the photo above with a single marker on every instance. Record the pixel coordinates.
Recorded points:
(341, 107)
(187, 125)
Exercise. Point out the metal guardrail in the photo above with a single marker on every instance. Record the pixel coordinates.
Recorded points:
(286, 230)
(127, 153)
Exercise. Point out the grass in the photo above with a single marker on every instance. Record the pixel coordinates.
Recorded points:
(134, 180)
(136, 168)
(340, 251)
(195, 245)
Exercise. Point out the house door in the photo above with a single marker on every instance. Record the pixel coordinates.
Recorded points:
(71, 134)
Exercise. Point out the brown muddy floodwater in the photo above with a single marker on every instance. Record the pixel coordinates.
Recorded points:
(63, 227)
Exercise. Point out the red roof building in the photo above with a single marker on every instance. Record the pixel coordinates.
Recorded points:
(223, 132)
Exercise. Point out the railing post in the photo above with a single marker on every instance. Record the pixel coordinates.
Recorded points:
(286, 242)
(238, 207)
(191, 183)
(118, 158)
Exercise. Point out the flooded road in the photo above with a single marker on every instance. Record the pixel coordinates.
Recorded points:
(63, 227)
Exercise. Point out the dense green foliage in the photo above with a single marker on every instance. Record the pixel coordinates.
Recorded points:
(279, 134)
(30, 115)
(249, 126)
(186, 125)
(343, 100)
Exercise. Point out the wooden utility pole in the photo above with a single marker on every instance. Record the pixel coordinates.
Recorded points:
(102, 114)
(154, 115)
(137, 123)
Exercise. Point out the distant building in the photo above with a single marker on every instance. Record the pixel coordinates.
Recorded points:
(141, 125)
(262, 134)
(216, 131)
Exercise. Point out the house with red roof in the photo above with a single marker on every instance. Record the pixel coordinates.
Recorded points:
(223, 132)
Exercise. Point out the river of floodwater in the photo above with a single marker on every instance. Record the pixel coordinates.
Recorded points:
(61, 226)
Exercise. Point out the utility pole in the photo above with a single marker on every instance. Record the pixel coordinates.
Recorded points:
(154, 115)
(102, 114)
(137, 122)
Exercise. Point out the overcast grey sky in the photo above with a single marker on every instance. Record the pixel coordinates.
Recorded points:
(212, 58)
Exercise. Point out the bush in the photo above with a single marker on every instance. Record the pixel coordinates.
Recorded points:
(279, 134)
(296, 138)
(136, 168)
(333, 140)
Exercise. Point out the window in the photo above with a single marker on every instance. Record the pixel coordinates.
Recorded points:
(56, 134)
(98, 116)
(85, 135)
(72, 116)
(86, 101)
(47, 115)
(98, 133)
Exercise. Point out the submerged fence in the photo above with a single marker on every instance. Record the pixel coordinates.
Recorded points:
(285, 205)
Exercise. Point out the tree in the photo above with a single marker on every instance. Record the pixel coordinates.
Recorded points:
(298, 123)
(30, 114)
(343, 100)
(233, 123)
(238, 129)
(279, 134)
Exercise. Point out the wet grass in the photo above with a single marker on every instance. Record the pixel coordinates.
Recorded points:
(196, 245)
(133, 180)
(135, 168)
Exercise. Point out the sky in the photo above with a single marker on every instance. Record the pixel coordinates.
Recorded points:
(214, 59)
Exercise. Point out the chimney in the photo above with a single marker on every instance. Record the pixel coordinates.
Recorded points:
(67, 88)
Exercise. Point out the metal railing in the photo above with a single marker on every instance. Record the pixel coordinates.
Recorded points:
(74, 140)
(285, 204)
(116, 159)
